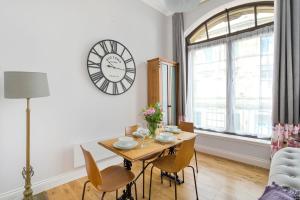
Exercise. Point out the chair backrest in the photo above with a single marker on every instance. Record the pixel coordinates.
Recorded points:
(187, 126)
(130, 129)
(185, 153)
(91, 168)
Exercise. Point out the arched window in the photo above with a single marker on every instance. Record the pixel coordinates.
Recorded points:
(233, 21)
(230, 66)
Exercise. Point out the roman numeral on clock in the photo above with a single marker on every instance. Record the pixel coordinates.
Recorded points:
(128, 79)
(113, 45)
(123, 52)
(92, 64)
(96, 53)
(130, 70)
(104, 47)
(115, 88)
(96, 77)
(123, 86)
(104, 85)
(128, 60)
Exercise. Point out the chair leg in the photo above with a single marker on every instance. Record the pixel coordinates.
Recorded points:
(143, 179)
(135, 191)
(195, 182)
(196, 160)
(183, 176)
(84, 187)
(103, 194)
(170, 183)
(117, 194)
(150, 182)
(175, 186)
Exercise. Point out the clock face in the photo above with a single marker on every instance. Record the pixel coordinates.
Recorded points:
(111, 67)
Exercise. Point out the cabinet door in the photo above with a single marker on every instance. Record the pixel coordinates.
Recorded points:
(172, 95)
(164, 82)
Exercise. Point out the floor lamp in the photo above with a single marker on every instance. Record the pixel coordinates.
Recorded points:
(26, 85)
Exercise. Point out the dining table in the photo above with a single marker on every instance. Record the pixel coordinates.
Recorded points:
(145, 148)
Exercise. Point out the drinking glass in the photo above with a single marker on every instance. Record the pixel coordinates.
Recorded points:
(143, 135)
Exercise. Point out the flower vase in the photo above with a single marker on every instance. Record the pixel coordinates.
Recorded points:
(152, 129)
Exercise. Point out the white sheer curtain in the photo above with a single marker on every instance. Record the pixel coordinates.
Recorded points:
(230, 84)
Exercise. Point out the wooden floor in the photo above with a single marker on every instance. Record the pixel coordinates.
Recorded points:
(218, 179)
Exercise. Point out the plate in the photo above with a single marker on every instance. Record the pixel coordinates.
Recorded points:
(139, 134)
(169, 139)
(145, 130)
(172, 126)
(175, 130)
(129, 145)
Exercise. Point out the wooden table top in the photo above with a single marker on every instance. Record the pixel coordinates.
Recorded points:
(151, 146)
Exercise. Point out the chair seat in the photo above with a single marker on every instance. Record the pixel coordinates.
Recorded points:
(115, 177)
(166, 163)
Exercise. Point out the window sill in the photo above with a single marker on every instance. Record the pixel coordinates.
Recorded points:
(223, 136)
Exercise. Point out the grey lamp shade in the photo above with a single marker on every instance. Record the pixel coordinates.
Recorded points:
(19, 85)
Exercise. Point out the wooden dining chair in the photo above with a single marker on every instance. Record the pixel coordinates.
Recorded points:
(128, 132)
(175, 163)
(109, 179)
(189, 127)
(130, 129)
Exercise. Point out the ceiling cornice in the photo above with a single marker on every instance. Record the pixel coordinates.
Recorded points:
(158, 5)
(161, 6)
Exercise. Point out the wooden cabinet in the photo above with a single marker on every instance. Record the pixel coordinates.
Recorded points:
(163, 87)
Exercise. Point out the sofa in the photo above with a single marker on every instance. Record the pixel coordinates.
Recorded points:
(285, 168)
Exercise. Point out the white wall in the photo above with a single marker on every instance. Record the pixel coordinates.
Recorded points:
(54, 36)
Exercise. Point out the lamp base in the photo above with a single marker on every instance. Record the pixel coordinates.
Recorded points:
(27, 174)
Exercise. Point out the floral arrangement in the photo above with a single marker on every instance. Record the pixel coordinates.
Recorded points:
(285, 135)
(153, 115)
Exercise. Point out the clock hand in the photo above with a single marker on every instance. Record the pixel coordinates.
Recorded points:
(115, 67)
(110, 63)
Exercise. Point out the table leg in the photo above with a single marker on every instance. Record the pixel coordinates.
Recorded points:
(127, 192)
(171, 177)
(172, 150)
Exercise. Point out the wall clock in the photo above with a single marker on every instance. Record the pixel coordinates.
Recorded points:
(111, 67)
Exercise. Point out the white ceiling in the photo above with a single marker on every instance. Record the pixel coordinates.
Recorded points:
(161, 6)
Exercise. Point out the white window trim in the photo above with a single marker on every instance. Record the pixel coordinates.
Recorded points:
(236, 138)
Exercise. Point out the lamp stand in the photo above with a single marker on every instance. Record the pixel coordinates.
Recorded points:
(27, 171)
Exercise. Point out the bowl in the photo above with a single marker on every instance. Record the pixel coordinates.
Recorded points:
(125, 140)
(165, 135)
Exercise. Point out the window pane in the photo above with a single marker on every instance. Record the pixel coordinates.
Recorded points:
(265, 14)
(241, 19)
(252, 64)
(199, 35)
(209, 87)
(217, 26)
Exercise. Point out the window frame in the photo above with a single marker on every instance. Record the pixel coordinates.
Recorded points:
(204, 24)
(226, 131)
(226, 12)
